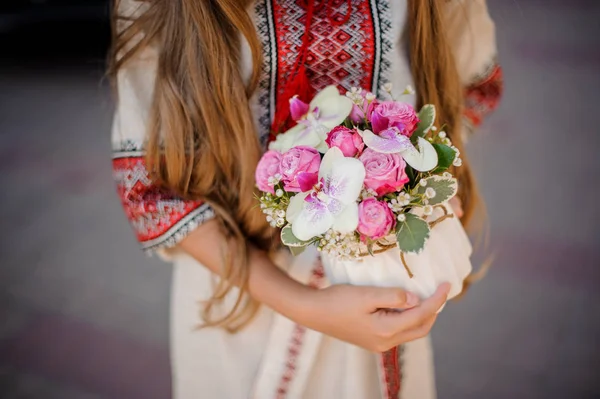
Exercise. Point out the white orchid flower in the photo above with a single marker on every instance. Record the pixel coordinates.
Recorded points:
(327, 110)
(390, 141)
(332, 203)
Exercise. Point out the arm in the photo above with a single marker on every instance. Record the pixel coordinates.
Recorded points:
(348, 313)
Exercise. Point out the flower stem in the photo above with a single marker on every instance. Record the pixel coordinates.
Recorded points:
(405, 265)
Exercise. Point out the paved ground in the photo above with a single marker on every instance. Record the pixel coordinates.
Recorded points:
(83, 313)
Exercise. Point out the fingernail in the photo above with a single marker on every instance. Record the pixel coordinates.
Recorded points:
(411, 299)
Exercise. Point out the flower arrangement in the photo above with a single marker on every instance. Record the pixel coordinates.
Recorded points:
(357, 175)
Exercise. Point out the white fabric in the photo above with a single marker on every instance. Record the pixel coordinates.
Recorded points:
(214, 364)
(446, 258)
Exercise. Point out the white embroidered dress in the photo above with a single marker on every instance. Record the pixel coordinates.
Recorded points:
(273, 357)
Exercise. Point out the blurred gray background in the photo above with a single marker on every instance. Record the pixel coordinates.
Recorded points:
(84, 314)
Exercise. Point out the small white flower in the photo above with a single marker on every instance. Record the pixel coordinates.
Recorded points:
(263, 206)
(273, 180)
(456, 150)
(427, 210)
(388, 87)
(279, 192)
(401, 217)
(409, 90)
(404, 198)
(433, 128)
(457, 162)
(430, 193)
(442, 135)
(447, 141)
(425, 201)
(423, 183)
(367, 193)
(395, 205)
(447, 175)
(356, 98)
(370, 97)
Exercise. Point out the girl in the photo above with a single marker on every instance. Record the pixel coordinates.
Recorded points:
(202, 85)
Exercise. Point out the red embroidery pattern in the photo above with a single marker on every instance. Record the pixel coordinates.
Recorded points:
(295, 344)
(483, 96)
(391, 373)
(342, 55)
(156, 216)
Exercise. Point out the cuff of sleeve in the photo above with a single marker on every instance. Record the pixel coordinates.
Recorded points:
(178, 231)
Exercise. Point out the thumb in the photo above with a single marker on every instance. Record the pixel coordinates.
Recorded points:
(392, 298)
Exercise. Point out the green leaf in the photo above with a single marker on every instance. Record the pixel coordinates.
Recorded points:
(412, 234)
(446, 156)
(297, 250)
(290, 240)
(445, 188)
(427, 117)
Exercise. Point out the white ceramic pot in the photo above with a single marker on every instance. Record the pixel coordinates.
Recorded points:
(446, 258)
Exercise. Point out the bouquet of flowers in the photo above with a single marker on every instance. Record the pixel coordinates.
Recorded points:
(366, 181)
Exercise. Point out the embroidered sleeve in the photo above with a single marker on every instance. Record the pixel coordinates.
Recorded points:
(471, 33)
(159, 219)
(482, 97)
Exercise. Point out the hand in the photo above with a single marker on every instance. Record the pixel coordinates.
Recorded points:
(363, 315)
(456, 205)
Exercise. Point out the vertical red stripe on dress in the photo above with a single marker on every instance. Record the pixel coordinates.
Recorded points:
(340, 54)
(296, 341)
(391, 373)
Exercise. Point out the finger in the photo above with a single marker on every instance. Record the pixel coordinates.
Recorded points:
(456, 205)
(391, 298)
(416, 333)
(416, 316)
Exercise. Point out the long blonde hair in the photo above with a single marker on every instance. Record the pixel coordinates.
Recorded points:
(202, 142)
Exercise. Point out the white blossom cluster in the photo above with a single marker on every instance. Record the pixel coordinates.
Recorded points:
(342, 246)
(367, 193)
(273, 209)
(355, 94)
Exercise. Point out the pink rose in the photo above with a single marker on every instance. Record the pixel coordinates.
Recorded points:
(394, 114)
(268, 166)
(347, 140)
(385, 173)
(300, 168)
(375, 219)
(357, 115)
